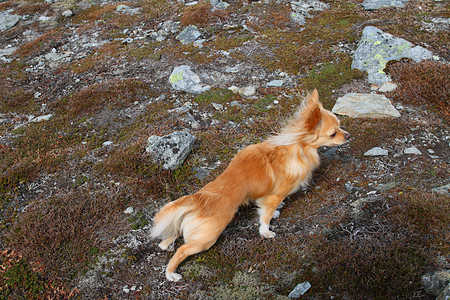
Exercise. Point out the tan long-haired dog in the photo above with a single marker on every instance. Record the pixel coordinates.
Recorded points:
(266, 173)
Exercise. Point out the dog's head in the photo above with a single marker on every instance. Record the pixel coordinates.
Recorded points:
(312, 125)
(322, 124)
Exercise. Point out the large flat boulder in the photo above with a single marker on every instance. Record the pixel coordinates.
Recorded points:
(376, 48)
(356, 105)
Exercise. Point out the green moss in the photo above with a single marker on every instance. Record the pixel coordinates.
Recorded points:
(138, 220)
(220, 96)
(21, 279)
(242, 286)
(329, 77)
(147, 51)
(224, 42)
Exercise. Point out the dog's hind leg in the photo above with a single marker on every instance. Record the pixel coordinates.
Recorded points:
(268, 210)
(190, 248)
(164, 245)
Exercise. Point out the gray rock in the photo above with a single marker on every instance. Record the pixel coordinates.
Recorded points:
(201, 173)
(298, 18)
(275, 83)
(444, 190)
(357, 105)
(301, 10)
(445, 295)
(122, 8)
(217, 106)
(171, 150)
(188, 35)
(7, 20)
(377, 151)
(6, 52)
(376, 48)
(247, 91)
(41, 118)
(183, 79)
(387, 87)
(306, 6)
(412, 150)
(377, 4)
(300, 289)
(435, 283)
(129, 210)
(218, 5)
(170, 26)
(386, 186)
(67, 13)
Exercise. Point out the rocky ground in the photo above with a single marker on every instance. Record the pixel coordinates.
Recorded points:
(92, 91)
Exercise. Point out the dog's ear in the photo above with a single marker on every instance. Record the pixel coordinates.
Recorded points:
(313, 98)
(313, 119)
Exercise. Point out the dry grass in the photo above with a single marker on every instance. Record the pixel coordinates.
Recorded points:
(199, 14)
(425, 83)
(63, 232)
(21, 280)
(112, 94)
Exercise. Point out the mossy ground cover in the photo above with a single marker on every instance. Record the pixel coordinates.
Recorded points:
(63, 192)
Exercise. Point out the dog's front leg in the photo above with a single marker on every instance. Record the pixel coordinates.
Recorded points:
(268, 210)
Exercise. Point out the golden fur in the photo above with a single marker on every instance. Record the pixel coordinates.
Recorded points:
(266, 173)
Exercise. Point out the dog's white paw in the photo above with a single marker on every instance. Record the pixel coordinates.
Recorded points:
(163, 246)
(276, 214)
(166, 246)
(268, 234)
(265, 232)
(173, 276)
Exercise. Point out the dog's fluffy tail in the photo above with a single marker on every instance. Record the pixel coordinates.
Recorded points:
(168, 221)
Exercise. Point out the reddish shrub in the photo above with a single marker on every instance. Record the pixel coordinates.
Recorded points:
(199, 14)
(423, 83)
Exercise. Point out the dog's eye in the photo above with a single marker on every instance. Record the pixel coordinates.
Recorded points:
(333, 135)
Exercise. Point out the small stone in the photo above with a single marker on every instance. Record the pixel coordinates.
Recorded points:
(41, 118)
(300, 289)
(374, 87)
(298, 18)
(436, 283)
(386, 186)
(183, 79)
(171, 150)
(122, 8)
(218, 5)
(275, 83)
(188, 35)
(387, 87)
(412, 150)
(247, 91)
(129, 210)
(234, 89)
(217, 106)
(443, 190)
(107, 143)
(377, 4)
(67, 13)
(201, 173)
(376, 151)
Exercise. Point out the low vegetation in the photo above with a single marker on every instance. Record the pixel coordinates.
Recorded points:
(367, 227)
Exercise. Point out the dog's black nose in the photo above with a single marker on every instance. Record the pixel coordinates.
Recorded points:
(347, 136)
